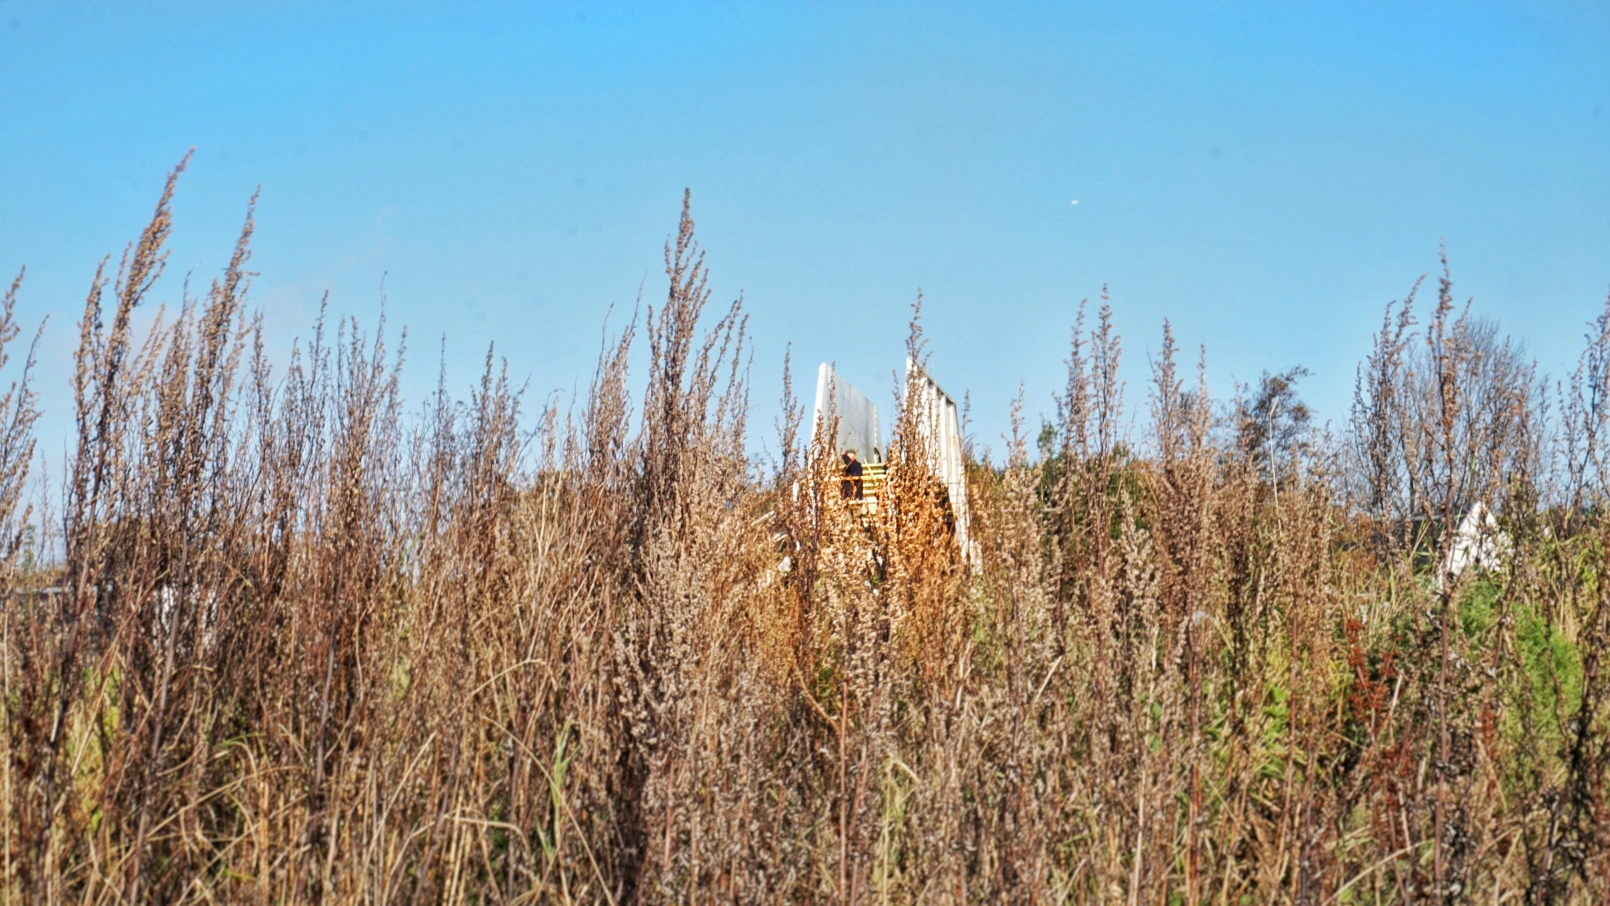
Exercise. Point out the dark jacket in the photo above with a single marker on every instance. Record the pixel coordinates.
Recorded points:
(851, 485)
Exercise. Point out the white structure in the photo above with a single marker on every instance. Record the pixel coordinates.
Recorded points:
(942, 436)
(857, 416)
(858, 429)
(1476, 543)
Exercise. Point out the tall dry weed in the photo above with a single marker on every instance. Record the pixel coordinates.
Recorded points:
(303, 643)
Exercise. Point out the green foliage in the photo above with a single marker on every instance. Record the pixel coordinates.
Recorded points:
(1552, 667)
(1478, 610)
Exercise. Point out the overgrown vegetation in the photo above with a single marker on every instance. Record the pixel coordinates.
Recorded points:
(301, 646)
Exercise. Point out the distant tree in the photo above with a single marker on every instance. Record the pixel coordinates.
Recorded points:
(1443, 418)
(1587, 420)
(1273, 425)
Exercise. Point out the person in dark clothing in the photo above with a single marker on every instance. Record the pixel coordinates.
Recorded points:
(851, 485)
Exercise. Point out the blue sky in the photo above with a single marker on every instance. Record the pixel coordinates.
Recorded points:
(1267, 176)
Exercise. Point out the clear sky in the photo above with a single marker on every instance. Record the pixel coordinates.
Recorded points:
(1265, 175)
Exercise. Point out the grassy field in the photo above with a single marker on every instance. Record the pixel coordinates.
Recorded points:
(301, 645)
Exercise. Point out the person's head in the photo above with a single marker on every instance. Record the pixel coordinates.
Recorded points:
(849, 456)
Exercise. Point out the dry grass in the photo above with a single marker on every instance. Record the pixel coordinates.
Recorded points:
(302, 646)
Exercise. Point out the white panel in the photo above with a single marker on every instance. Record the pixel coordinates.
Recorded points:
(858, 427)
(941, 422)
